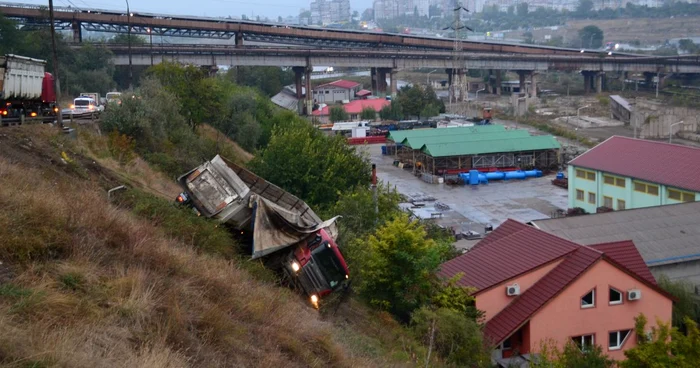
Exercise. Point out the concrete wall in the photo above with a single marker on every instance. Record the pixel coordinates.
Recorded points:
(653, 119)
(685, 271)
(632, 198)
(563, 317)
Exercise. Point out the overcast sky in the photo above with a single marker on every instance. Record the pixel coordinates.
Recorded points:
(209, 8)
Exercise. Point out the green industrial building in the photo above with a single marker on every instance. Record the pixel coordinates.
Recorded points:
(442, 151)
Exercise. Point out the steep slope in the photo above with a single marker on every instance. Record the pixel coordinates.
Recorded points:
(85, 283)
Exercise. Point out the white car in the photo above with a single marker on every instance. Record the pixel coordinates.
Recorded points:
(86, 104)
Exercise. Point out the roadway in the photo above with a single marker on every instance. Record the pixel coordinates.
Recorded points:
(401, 59)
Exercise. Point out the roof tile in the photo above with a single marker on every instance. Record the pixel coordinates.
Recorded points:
(657, 162)
(625, 254)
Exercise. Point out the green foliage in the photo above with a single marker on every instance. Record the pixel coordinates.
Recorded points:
(687, 45)
(454, 336)
(591, 37)
(268, 79)
(399, 265)
(687, 304)
(571, 357)
(416, 100)
(123, 38)
(457, 298)
(310, 165)
(9, 290)
(180, 222)
(72, 281)
(667, 347)
(337, 113)
(368, 113)
(584, 7)
(394, 111)
(245, 117)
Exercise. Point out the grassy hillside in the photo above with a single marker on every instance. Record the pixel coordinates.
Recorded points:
(86, 283)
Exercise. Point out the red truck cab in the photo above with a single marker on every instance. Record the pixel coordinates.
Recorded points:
(318, 265)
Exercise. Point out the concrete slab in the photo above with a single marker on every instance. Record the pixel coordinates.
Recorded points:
(474, 207)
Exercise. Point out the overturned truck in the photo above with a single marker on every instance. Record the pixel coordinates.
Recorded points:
(280, 228)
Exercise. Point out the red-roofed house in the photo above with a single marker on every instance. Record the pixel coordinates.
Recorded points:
(625, 173)
(337, 91)
(535, 287)
(353, 108)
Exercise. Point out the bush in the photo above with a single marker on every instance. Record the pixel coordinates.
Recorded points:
(368, 113)
(338, 113)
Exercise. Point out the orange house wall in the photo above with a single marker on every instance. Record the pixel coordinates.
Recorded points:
(495, 299)
(563, 316)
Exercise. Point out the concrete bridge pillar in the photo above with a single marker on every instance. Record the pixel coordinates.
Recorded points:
(587, 80)
(373, 78)
(238, 38)
(77, 31)
(521, 78)
(381, 80)
(498, 82)
(309, 94)
(599, 82)
(533, 84)
(461, 73)
(394, 84)
(298, 75)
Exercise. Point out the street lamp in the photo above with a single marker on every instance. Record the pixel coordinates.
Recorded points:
(578, 111)
(670, 130)
(128, 32)
(428, 80)
(477, 94)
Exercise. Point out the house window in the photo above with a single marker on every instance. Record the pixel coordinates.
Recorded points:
(615, 297)
(327, 92)
(607, 202)
(588, 300)
(646, 188)
(620, 182)
(607, 179)
(580, 195)
(507, 345)
(591, 197)
(620, 204)
(680, 195)
(617, 339)
(584, 174)
(584, 342)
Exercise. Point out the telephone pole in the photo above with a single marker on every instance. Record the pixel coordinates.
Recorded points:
(57, 82)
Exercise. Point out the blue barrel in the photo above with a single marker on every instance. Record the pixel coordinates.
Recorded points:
(464, 177)
(497, 175)
(473, 177)
(383, 150)
(560, 175)
(533, 173)
(515, 175)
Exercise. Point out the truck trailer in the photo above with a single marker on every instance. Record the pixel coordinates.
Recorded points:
(282, 229)
(25, 88)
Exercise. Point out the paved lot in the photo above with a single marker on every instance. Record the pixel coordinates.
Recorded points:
(473, 207)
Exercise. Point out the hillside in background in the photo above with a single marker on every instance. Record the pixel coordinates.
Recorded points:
(86, 281)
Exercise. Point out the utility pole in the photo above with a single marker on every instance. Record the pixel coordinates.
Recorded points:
(456, 26)
(128, 32)
(57, 82)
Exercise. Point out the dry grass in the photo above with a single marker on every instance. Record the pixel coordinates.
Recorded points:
(96, 286)
(227, 144)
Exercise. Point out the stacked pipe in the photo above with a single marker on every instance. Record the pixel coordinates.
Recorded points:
(474, 177)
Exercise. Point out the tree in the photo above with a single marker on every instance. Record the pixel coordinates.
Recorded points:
(591, 37)
(309, 164)
(688, 46)
(415, 99)
(584, 8)
(338, 113)
(11, 38)
(455, 337)
(523, 9)
(368, 113)
(399, 265)
(393, 111)
(686, 306)
(667, 347)
(368, 14)
(123, 38)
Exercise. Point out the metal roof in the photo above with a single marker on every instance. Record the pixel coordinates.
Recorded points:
(418, 142)
(533, 143)
(621, 101)
(400, 135)
(663, 234)
(657, 162)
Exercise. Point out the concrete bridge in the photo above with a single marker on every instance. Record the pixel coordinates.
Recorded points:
(388, 62)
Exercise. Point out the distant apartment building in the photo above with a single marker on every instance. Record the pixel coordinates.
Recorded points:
(388, 9)
(624, 173)
(330, 11)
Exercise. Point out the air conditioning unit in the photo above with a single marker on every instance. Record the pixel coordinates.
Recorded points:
(634, 294)
(512, 290)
